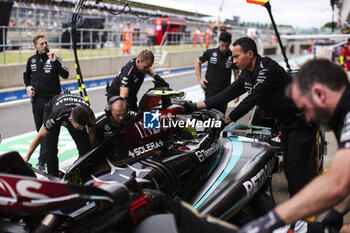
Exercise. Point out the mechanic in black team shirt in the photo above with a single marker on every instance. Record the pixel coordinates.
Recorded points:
(73, 112)
(219, 69)
(114, 118)
(131, 76)
(265, 81)
(41, 79)
(321, 89)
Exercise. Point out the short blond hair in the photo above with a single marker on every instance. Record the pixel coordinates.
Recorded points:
(146, 55)
(37, 37)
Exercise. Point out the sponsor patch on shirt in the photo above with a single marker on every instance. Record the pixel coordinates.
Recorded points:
(213, 60)
(344, 140)
(228, 62)
(107, 127)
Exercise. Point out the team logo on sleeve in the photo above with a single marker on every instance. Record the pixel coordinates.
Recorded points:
(151, 120)
(125, 81)
(107, 127)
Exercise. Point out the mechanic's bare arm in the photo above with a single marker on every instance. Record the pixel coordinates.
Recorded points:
(202, 81)
(124, 92)
(92, 137)
(344, 206)
(151, 72)
(201, 105)
(228, 119)
(42, 133)
(323, 192)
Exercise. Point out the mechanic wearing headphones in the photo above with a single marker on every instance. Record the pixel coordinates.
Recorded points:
(131, 76)
(115, 116)
(265, 82)
(73, 112)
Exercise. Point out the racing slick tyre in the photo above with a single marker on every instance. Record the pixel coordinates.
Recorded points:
(316, 161)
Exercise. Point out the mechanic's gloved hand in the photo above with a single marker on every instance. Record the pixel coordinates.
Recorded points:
(333, 219)
(264, 224)
(159, 82)
(132, 113)
(223, 124)
(190, 107)
(157, 199)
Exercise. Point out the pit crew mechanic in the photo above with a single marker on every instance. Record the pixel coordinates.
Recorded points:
(322, 89)
(220, 65)
(131, 76)
(265, 82)
(114, 118)
(41, 79)
(73, 112)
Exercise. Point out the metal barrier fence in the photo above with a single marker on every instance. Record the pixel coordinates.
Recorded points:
(90, 42)
(17, 46)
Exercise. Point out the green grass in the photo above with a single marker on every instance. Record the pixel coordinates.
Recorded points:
(14, 56)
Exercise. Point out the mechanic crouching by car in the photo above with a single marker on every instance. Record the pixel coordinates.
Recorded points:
(321, 88)
(115, 116)
(265, 81)
(73, 112)
(131, 76)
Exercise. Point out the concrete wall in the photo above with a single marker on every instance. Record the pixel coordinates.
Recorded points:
(179, 58)
(11, 75)
(96, 67)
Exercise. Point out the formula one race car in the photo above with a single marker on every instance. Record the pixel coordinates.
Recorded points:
(224, 172)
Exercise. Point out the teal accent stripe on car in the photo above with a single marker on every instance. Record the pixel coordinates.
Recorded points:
(237, 148)
(217, 160)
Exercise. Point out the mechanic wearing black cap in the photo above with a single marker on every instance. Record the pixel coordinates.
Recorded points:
(73, 112)
(131, 76)
(220, 65)
(114, 118)
(41, 78)
(265, 81)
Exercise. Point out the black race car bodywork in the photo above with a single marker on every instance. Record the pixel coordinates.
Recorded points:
(221, 172)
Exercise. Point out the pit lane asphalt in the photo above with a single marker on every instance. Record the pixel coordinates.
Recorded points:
(17, 118)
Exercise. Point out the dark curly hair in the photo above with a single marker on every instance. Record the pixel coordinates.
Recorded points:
(225, 37)
(81, 115)
(246, 44)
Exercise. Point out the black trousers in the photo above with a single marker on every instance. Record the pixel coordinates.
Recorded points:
(81, 139)
(299, 148)
(209, 93)
(38, 103)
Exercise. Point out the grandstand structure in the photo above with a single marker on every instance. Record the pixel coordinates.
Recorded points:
(53, 14)
(50, 17)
